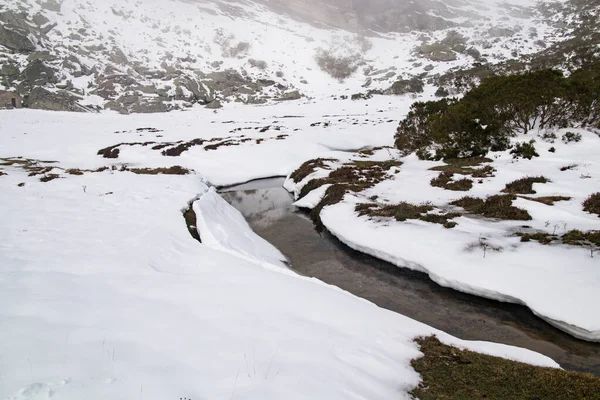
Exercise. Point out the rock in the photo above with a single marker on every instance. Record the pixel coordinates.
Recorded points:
(118, 57)
(42, 99)
(437, 52)
(135, 103)
(413, 85)
(293, 95)
(41, 55)
(37, 73)
(500, 32)
(428, 67)
(9, 69)
(442, 56)
(40, 19)
(15, 39)
(260, 64)
(52, 5)
(199, 92)
(213, 105)
(106, 85)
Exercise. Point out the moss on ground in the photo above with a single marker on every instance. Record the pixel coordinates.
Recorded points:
(451, 373)
(524, 185)
(498, 206)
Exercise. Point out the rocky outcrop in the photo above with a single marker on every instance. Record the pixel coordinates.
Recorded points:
(15, 39)
(404, 86)
(42, 99)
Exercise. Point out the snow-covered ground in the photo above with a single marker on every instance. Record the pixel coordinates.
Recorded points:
(560, 283)
(104, 294)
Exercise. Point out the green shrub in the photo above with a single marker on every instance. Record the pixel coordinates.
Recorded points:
(524, 150)
(571, 137)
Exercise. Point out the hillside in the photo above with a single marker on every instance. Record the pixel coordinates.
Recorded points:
(154, 56)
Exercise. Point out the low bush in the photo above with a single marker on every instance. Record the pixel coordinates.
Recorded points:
(571, 137)
(445, 180)
(592, 204)
(498, 206)
(337, 66)
(524, 185)
(524, 150)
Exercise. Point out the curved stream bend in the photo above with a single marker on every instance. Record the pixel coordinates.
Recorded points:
(269, 211)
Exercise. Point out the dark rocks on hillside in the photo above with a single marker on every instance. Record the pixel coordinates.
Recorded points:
(9, 69)
(38, 73)
(404, 86)
(213, 105)
(42, 99)
(15, 39)
(293, 95)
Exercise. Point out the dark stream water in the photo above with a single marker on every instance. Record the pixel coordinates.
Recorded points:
(268, 209)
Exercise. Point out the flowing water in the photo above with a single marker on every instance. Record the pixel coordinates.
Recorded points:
(269, 211)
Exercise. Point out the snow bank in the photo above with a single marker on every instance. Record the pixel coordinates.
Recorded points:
(224, 228)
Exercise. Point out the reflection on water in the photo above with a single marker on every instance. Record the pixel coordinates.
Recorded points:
(268, 208)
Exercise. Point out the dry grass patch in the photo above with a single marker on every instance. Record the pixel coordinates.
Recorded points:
(524, 185)
(49, 177)
(310, 167)
(174, 170)
(451, 373)
(404, 211)
(464, 166)
(498, 206)
(547, 200)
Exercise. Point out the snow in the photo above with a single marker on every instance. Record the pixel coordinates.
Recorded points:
(559, 283)
(105, 294)
(224, 228)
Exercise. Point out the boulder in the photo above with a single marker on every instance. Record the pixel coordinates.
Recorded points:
(37, 73)
(41, 55)
(403, 86)
(293, 95)
(15, 39)
(42, 99)
(213, 105)
(9, 69)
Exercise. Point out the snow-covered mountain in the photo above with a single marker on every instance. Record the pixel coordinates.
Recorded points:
(153, 56)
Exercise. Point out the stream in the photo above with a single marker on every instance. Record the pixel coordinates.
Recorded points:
(268, 209)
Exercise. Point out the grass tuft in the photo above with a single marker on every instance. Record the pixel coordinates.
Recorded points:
(547, 200)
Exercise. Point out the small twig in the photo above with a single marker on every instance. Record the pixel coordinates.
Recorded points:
(235, 384)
